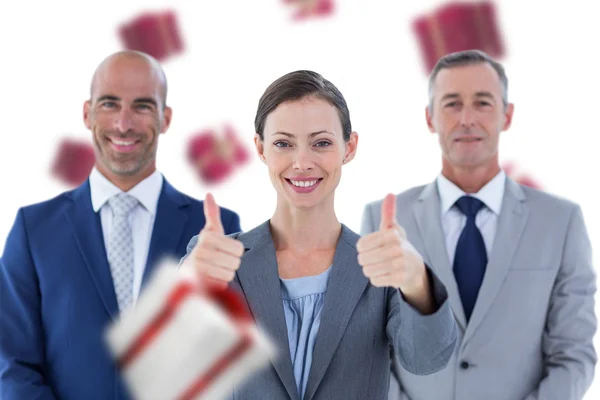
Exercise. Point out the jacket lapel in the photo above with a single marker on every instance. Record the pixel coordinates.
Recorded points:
(169, 225)
(259, 279)
(87, 232)
(511, 223)
(427, 213)
(348, 283)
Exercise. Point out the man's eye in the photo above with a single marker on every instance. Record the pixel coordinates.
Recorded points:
(108, 104)
(483, 103)
(144, 107)
(451, 104)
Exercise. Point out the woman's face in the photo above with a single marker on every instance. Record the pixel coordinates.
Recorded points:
(304, 149)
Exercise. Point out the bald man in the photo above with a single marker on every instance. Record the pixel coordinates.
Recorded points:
(72, 263)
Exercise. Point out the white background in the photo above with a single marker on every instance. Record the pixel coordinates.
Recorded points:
(235, 48)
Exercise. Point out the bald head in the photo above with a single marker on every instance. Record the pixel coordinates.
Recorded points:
(120, 67)
(126, 113)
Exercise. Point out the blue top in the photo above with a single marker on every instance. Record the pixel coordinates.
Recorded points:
(302, 303)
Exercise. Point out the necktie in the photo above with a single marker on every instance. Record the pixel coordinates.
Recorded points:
(470, 258)
(120, 248)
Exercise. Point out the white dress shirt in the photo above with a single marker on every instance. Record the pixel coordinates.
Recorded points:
(141, 218)
(453, 220)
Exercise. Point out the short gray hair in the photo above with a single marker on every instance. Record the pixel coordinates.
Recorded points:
(467, 57)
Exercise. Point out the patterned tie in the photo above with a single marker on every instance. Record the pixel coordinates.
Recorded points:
(120, 248)
(470, 258)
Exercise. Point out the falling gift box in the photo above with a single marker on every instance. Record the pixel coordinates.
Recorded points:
(73, 162)
(181, 342)
(511, 170)
(458, 26)
(240, 153)
(311, 8)
(211, 160)
(155, 33)
(215, 156)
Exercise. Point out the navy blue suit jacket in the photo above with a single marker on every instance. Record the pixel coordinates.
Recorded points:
(57, 296)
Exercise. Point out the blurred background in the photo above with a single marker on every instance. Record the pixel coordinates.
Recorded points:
(219, 57)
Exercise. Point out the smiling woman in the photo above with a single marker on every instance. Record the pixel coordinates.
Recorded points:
(329, 299)
(304, 137)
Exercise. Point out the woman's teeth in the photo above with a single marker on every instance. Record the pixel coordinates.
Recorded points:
(304, 183)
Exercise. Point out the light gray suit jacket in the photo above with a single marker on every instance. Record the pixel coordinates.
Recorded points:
(531, 331)
(359, 323)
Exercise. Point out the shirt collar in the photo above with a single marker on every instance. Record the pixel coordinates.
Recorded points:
(146, 192)
(491, 194)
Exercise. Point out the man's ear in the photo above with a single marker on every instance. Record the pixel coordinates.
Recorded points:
(508, 116)
(87, 107)
(429, 119)
(166, 120)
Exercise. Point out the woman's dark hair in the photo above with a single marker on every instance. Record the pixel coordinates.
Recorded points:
(295, 86)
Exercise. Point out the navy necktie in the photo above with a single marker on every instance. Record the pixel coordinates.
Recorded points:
(470, 258)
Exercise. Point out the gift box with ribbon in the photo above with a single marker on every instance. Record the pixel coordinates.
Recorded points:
(215, 156)
(154, 33)
(513, 171)
(458, 26)
(184, 342)
(311, 8)
(73, 162)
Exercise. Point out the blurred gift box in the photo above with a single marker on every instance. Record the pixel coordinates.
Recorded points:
(519, 176)
(183, 342)
(73, 161)
(458, 26)
(311, 8)
(215, 156)
(154, 33)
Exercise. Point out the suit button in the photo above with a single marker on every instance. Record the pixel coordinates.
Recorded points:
(464, 365)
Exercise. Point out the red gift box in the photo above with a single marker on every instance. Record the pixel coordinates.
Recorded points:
(310, 8)
(207, 155)
(240, 153)
(520, 177)
(214, 156)
(458, 26)
(204, 152)
(156, 34)
(73, 162)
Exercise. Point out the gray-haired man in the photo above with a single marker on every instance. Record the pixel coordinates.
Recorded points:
(517, 262)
